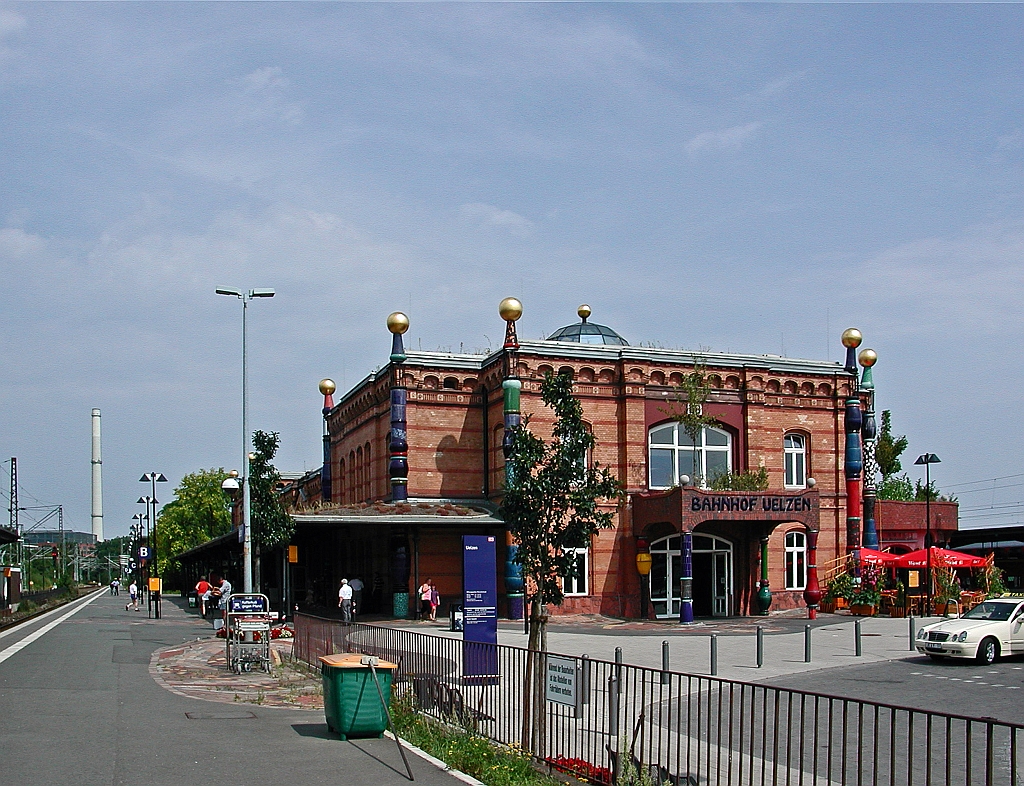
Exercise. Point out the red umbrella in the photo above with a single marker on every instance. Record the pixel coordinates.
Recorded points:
(941, 558)
(872, 557)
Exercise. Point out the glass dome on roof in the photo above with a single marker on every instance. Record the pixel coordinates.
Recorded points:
(584, 332)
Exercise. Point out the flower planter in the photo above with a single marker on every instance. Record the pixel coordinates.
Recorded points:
(827, 606)
(897, 611)
(862, 610)
(841, 603)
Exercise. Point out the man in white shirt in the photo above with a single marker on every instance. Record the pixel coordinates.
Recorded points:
(345, 600)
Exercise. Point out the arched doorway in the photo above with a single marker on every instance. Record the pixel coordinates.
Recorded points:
(712, 576)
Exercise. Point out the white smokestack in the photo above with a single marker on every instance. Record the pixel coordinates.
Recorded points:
(97, 479)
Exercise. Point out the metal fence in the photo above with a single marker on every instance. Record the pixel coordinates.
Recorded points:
(681, 728)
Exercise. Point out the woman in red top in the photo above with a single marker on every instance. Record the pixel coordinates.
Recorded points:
(203, 593)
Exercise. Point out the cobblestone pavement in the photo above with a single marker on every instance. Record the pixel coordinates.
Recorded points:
(199, 670)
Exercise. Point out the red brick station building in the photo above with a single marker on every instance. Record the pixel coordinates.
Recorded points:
(783, 414)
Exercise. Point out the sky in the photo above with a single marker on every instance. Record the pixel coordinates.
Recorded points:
(730, 177)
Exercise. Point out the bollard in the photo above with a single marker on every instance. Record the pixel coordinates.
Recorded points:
(585, 678)
(714, 654)
(664, 663)
(913, 638)
(760, 646)
(618, 667)
(613, 708)
(807, 643)
(858, 650)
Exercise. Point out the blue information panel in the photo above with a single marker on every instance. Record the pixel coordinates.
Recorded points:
(248, 604)
(480, 606)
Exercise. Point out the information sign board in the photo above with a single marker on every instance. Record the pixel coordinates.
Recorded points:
(248, 604)
(480, 605)
(561, 683)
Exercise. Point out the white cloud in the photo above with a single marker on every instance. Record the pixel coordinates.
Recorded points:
(971, 284)
(1012, 141)
(17, 244)
(490, 216)
(10, 22)
(264, 93)
(782, 84)
(729, 139)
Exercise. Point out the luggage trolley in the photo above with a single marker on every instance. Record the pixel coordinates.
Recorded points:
(248, 613)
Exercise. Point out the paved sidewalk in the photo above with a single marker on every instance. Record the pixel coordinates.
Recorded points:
(832, 642)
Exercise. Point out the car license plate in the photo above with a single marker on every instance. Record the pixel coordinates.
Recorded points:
(933, 646)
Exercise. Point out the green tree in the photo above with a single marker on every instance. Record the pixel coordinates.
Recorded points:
(553, 503)
(271, 525)
(198, 513)
(888, 450)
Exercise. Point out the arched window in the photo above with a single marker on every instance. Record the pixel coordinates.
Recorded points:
(796, 560)
(671, 454)
(795, 450)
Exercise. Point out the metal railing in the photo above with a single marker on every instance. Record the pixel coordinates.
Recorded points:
(684, 728)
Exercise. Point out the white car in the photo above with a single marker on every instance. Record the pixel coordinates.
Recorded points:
(992, 628)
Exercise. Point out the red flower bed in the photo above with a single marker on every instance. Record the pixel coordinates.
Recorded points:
(579, 768)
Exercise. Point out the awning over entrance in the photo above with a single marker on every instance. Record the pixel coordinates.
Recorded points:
(685, 508)
(744, 518)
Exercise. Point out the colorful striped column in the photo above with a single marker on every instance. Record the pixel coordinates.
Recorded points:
(398, 464)
(511, 310)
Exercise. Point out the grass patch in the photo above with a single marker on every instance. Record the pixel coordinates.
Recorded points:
(465, 751)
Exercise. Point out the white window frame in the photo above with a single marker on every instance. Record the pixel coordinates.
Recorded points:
(571, 586)
(796, 544)
(792, 453)
(675, 447)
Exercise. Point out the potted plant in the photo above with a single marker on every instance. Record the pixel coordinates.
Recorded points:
(837, 592)
(993, 577)
(947, 590)
(867, 593)
(899, 606)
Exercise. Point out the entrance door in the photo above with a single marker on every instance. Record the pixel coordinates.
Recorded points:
(712, 576)
(723, 583)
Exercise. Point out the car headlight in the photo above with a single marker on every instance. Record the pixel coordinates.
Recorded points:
(922, 634)
(962, 636)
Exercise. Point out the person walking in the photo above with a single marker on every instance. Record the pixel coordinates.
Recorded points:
(435, 601)
(133, 593)
(357, 596)
(424, 595)
(345, 600)
(203, 593)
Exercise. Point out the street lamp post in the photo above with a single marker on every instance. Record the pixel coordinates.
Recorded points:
(147, 501)
(153, 478)
(928, 459)
(245, 296)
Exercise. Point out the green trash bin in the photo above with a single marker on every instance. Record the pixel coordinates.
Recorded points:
(351, 702)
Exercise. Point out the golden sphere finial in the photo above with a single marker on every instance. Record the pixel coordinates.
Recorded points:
(327, 387)
(852, 338)
(583, 312)
(510, 309)
(867, 358)
(398, 322)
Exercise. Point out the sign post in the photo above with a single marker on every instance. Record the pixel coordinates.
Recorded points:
(480, 607)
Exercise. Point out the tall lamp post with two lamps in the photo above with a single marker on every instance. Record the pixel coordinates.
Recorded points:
(928, 459)
(153, 478)
(245, 296)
